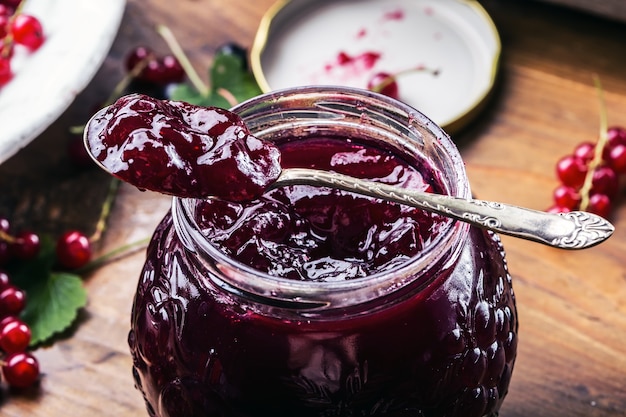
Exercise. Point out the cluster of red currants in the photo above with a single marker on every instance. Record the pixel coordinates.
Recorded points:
(20, 368)
(73, 250)
(590, 176)
(151, 73)
(16, 29)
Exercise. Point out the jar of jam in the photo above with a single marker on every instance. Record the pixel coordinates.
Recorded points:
(317, 302)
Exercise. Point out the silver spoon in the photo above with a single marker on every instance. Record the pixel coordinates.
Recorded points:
(573, 230)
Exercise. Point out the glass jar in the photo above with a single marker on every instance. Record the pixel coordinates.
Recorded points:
(431, 336)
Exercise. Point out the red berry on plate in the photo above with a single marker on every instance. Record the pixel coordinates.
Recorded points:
(73, 249)
(571, 171)
(14, 336)
(383, 83)
(20, 370)
(27, 31)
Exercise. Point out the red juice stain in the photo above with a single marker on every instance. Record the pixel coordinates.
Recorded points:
(397, 14)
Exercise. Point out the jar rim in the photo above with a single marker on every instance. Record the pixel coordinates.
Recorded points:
(240, 278)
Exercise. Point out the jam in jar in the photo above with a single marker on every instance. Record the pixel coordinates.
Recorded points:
(314, 302)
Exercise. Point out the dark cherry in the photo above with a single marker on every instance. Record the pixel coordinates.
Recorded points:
(236, 50)
(181, 149)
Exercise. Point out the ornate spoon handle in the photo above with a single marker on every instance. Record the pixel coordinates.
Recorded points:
(574, 230)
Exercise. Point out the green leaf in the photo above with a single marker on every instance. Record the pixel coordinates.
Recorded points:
(53, 305)
(228, 72)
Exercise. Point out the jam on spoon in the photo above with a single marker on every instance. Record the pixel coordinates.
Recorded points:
(180, 149)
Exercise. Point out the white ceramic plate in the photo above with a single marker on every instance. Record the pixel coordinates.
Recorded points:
(299, 42)
(79, 34)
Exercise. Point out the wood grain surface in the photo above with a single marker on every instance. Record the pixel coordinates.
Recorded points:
(572, 305)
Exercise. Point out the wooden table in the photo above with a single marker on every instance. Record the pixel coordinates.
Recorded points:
(572, 305)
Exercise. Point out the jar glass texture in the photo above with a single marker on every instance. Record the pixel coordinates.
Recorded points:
(434, 336)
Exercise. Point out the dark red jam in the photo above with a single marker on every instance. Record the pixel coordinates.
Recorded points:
(443, 346)
(180, 149)
(318, 234)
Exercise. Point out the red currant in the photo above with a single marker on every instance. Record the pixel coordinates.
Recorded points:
(21, 370)
(599, 204)
(73, 249)
(585, 152)
(571, 171)
(27, 31)
(14, 336)
(616, 158)
(5, 281)
(12, 301)
(558, 209)
(384, 83)
(26, 245)
(605, 181)
(136, 56)
(566, 197)
(5, 70)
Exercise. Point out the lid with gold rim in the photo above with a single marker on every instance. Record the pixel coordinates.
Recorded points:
(444, 53)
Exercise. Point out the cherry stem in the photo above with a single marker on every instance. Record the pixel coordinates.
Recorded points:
(597, 156)
(393, 77)
(106, 210)
(178, 52)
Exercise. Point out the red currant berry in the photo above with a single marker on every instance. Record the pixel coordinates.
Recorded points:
(14, 336)
(6, 73)
(384, 83)
(616, 135)
(12, 301)
(585, 151)
(600, 204)
(566, 197)
(27, 31)
(26, 245)
(136, 56)
(605, 181)
(73, 249)
(173, 72)
(558, 209)
(4, 22)
(571, 171)
(21, 370)
(616, 158)
(5, 281)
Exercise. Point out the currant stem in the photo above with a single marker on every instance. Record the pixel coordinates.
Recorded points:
(116, 253)
(178, 52)
(597, 156)
(106, 210)
(393, 77)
